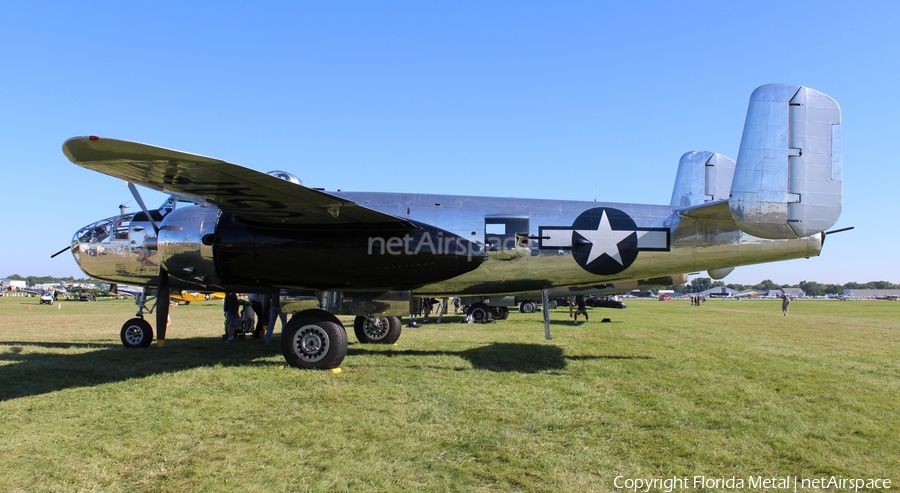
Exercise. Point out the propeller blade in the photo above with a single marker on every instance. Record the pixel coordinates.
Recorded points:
(162, 307)
(140, 201)
(57, 253)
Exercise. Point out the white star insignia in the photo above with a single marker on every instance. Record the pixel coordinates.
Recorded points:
(604, 240)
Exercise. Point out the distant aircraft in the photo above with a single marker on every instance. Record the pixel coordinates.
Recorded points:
(188, 296)
(121, 290)
(372, 254)
(496, 307)
(185, 297)
(49, 294)
(745, 294)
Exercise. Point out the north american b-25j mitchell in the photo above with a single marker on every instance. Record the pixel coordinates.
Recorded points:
(371, 254)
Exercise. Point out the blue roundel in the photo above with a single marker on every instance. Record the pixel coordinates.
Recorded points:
(604, 241)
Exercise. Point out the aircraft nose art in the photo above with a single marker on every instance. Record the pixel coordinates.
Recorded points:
(604, 241)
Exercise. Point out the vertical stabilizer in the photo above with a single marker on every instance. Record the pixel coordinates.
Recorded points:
(787, 182)
(702, 177)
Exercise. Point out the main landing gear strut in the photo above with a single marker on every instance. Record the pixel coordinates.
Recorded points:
(312, 339)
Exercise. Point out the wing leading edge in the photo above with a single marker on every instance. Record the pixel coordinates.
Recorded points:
(245, 192)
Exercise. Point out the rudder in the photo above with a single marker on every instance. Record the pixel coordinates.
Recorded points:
(788, 178)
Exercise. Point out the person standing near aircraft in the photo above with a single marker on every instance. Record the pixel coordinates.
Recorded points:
(582, 309)
(427, 304)
(232, 318)
(274, 313)
(785, 304)
(257, 302)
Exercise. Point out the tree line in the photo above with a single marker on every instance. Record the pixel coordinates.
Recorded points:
(34, 280)
(811, 288)
(697, 285)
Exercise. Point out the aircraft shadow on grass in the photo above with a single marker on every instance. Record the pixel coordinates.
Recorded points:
(596, 317)
(25, 374)
(499, 356)
(595, 322)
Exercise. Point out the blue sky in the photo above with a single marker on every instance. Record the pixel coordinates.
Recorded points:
(575, 100)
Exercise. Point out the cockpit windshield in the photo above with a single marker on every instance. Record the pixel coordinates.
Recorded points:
(115, 228)
(119, 227)
(100, 230)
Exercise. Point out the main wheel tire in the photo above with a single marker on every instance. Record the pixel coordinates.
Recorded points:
(505, 314)
(136, 333)
(480, 313)
(498, 311)
(377, 330)
(315, 340)
(528, 307)
(552, 304)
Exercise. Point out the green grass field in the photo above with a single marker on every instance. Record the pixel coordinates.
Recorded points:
(726, 389)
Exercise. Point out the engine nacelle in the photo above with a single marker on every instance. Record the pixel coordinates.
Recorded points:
(322, 257)
(185, 244)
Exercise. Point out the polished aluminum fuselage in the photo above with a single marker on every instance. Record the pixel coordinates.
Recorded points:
(693, 245)
(260, 233)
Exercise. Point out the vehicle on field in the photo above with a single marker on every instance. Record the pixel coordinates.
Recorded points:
(603, 302)
(529, 306)
(83, 295)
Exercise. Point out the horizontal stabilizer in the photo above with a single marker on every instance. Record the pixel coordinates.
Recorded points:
(787, 182)
(713, 211)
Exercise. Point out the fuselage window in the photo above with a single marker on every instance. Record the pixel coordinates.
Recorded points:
(500, 232)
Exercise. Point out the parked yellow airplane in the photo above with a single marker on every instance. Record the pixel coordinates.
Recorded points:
(187, 296)
(179, 296)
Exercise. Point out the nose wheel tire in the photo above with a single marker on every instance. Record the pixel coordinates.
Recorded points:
(314, 339)
(377, 330)
(136, 333)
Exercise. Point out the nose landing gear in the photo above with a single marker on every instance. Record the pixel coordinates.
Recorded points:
(137, 332)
